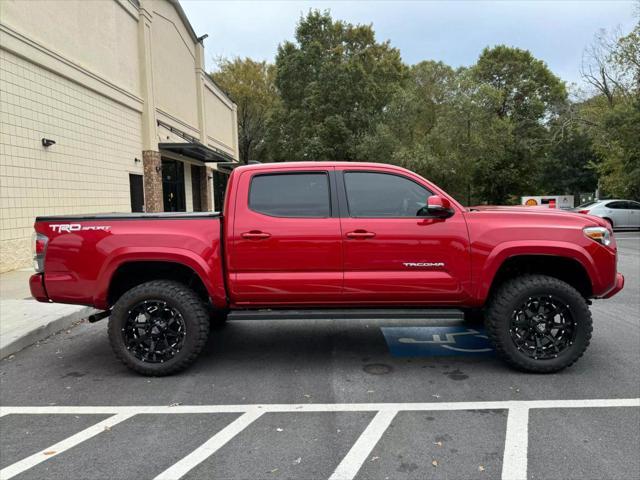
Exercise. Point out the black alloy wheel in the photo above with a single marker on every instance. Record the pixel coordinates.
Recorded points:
(154, 331)
(543, 327)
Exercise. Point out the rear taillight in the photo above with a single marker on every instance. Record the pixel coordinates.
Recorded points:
(38, 249)
(583, 211)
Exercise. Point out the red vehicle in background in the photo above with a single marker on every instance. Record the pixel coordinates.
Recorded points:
(331, 239)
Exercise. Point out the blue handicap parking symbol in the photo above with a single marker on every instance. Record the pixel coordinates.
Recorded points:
(436, 341)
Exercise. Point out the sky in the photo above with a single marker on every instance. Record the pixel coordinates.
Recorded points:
(454, 32)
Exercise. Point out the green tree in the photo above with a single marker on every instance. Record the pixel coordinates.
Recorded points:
(612, 115)
(619, 146)
(334, 82)
(570, 165)
(523, 96)
(251, 86)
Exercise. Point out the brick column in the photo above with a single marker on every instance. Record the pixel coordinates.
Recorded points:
(205, 189)
(152, 167)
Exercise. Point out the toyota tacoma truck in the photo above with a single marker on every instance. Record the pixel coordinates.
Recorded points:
(340, 239)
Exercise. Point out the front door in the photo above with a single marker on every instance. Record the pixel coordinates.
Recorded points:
(286, 245)
(393, 254)
(136, 190)
(173, 186)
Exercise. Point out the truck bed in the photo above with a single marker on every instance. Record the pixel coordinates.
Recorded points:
(128, 216)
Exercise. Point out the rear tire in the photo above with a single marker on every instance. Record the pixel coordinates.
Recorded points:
(520, 322)
(158, 328)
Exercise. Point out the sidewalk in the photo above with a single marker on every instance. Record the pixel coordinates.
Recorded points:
(23, 321)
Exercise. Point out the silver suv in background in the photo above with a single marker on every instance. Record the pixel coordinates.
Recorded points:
(619, 213)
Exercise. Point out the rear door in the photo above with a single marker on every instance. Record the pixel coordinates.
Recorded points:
(286, 245)
(633, 209)
(618, 213)
(391, 254)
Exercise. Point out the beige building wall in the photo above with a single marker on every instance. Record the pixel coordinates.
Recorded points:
(174, 64)
(221, 123)
(74, 71)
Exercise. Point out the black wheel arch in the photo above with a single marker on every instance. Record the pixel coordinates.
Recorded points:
(565, 269)
(134, 273)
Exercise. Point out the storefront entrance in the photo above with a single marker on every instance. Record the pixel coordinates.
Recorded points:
(173, 186)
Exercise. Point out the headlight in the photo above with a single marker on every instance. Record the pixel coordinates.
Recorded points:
(598, 234)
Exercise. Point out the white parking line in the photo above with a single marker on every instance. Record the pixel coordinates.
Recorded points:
(211, 446)
(322, 407)
(352, 462)
(514, 460)
(60, 447)
(515, 450)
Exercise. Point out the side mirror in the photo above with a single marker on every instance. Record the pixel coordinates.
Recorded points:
(439, 207)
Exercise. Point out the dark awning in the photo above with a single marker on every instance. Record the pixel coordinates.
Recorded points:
(197, 151)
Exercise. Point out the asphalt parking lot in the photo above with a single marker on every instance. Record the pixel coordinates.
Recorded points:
(330, 399)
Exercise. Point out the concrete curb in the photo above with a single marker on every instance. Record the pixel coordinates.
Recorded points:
(43, 331)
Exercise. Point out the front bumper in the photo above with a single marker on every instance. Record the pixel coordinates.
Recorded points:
(619, 285)
(36, 285)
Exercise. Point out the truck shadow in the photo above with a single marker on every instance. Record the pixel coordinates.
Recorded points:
(322, 341)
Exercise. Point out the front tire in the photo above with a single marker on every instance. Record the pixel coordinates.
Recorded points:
(158, 328)
(538, 323)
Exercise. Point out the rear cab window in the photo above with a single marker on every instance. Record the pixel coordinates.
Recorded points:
(292, 195)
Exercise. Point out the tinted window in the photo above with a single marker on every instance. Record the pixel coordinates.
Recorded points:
(634, 206)
(291, 195)
(616, 205)
(383, 195)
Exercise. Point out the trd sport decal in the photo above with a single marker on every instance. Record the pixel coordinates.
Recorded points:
(76, 227)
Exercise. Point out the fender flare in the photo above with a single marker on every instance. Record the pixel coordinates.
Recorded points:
(211, 278)
(507, 250)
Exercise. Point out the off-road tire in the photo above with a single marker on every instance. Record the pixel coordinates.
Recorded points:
(180, 298)
(510, 296)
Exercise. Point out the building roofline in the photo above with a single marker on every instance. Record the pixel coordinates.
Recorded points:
(185, 19)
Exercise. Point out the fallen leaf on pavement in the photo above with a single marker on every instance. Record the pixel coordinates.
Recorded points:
(49, 452)
(481, 468)
(434, 463)
(439, 444)
(297, 461)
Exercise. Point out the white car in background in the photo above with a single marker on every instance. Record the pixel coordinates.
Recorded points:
(619, 213)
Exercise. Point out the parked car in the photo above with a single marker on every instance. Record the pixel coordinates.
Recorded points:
(619, 213)
(335, 239)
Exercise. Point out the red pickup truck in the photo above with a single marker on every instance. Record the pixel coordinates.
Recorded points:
(336, 239)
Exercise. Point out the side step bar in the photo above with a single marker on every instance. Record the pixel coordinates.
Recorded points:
(352, 313)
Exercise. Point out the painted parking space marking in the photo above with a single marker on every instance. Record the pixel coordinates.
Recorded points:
(352, 462)
(62, 446)
(514, 456)
(436, 341)
(211, 446)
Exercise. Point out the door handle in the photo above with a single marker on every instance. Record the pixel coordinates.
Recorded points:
(360, 234)
(255, 235)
